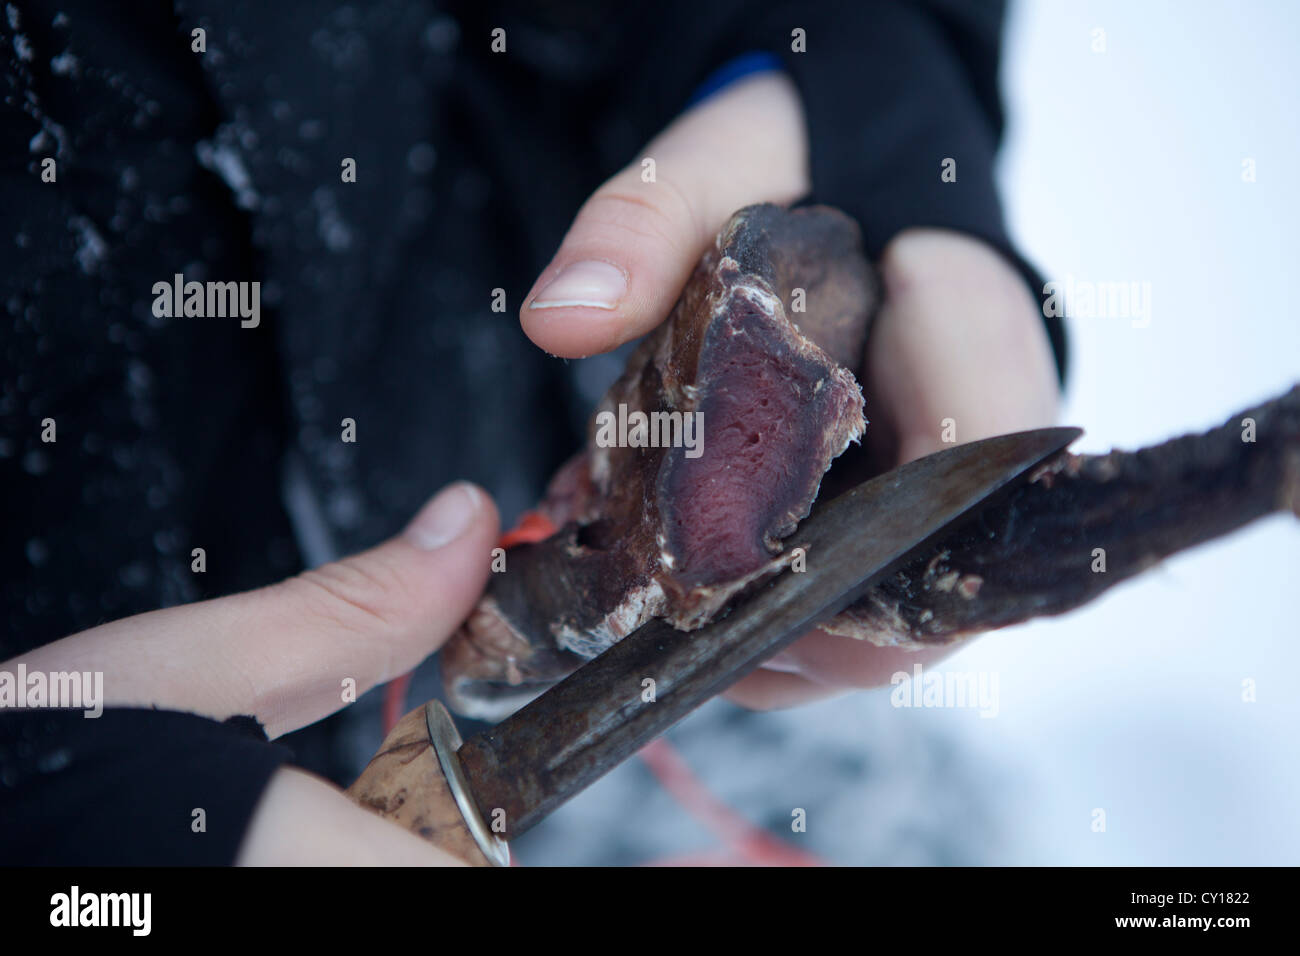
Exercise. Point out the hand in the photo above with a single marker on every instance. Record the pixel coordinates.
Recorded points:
(958, 336)
(282, 653)
(633, 245)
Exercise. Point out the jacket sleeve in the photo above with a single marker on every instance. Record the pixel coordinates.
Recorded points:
(130, 787)
(893, 90)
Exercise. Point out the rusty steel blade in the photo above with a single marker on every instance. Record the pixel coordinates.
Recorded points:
(596, 718)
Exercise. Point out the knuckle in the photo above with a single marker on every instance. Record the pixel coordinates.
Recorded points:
(757, 703)
(665, 217)
(363, 597)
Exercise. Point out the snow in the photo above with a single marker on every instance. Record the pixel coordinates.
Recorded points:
(65, 64)
(91, 248)
(420, 158)
(331, 228)
(226, 162)
(1122, 165)
(442, 35)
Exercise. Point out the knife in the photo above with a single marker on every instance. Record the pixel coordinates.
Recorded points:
(470, 797)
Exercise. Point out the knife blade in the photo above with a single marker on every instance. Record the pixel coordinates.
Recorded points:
(554, 747)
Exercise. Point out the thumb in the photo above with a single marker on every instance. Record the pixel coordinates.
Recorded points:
(634, 243)
(294, 652)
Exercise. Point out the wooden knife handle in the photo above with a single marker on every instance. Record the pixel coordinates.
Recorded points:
(414, 780)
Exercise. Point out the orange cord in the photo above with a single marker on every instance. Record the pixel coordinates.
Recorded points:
(531, 526)
(743, 842)
(395, 701)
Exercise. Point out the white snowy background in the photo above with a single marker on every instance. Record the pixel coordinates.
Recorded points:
(1122, 165)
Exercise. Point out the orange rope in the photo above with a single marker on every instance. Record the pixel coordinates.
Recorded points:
(531, 526)
(742, 841)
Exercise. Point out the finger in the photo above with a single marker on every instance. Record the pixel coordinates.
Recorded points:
(773, 690)
(822, 665)
(832, 660)
(294, 652)
(958, 340)
(302, 820)
(634, 243)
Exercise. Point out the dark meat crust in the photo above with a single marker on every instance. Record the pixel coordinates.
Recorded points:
(818, 251)
(659, 532)
(1034, 553)
(1030, 553)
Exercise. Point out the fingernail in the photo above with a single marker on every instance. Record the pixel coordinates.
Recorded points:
(784, 662)
(598, 285)
(445, 518)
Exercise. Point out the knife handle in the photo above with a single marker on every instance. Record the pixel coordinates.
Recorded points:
(415, 780)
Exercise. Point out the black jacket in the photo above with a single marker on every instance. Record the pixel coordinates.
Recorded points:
(376, 294)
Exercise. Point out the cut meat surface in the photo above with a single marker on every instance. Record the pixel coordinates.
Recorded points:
(677, 532)
(776, 410)
(656, 532)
